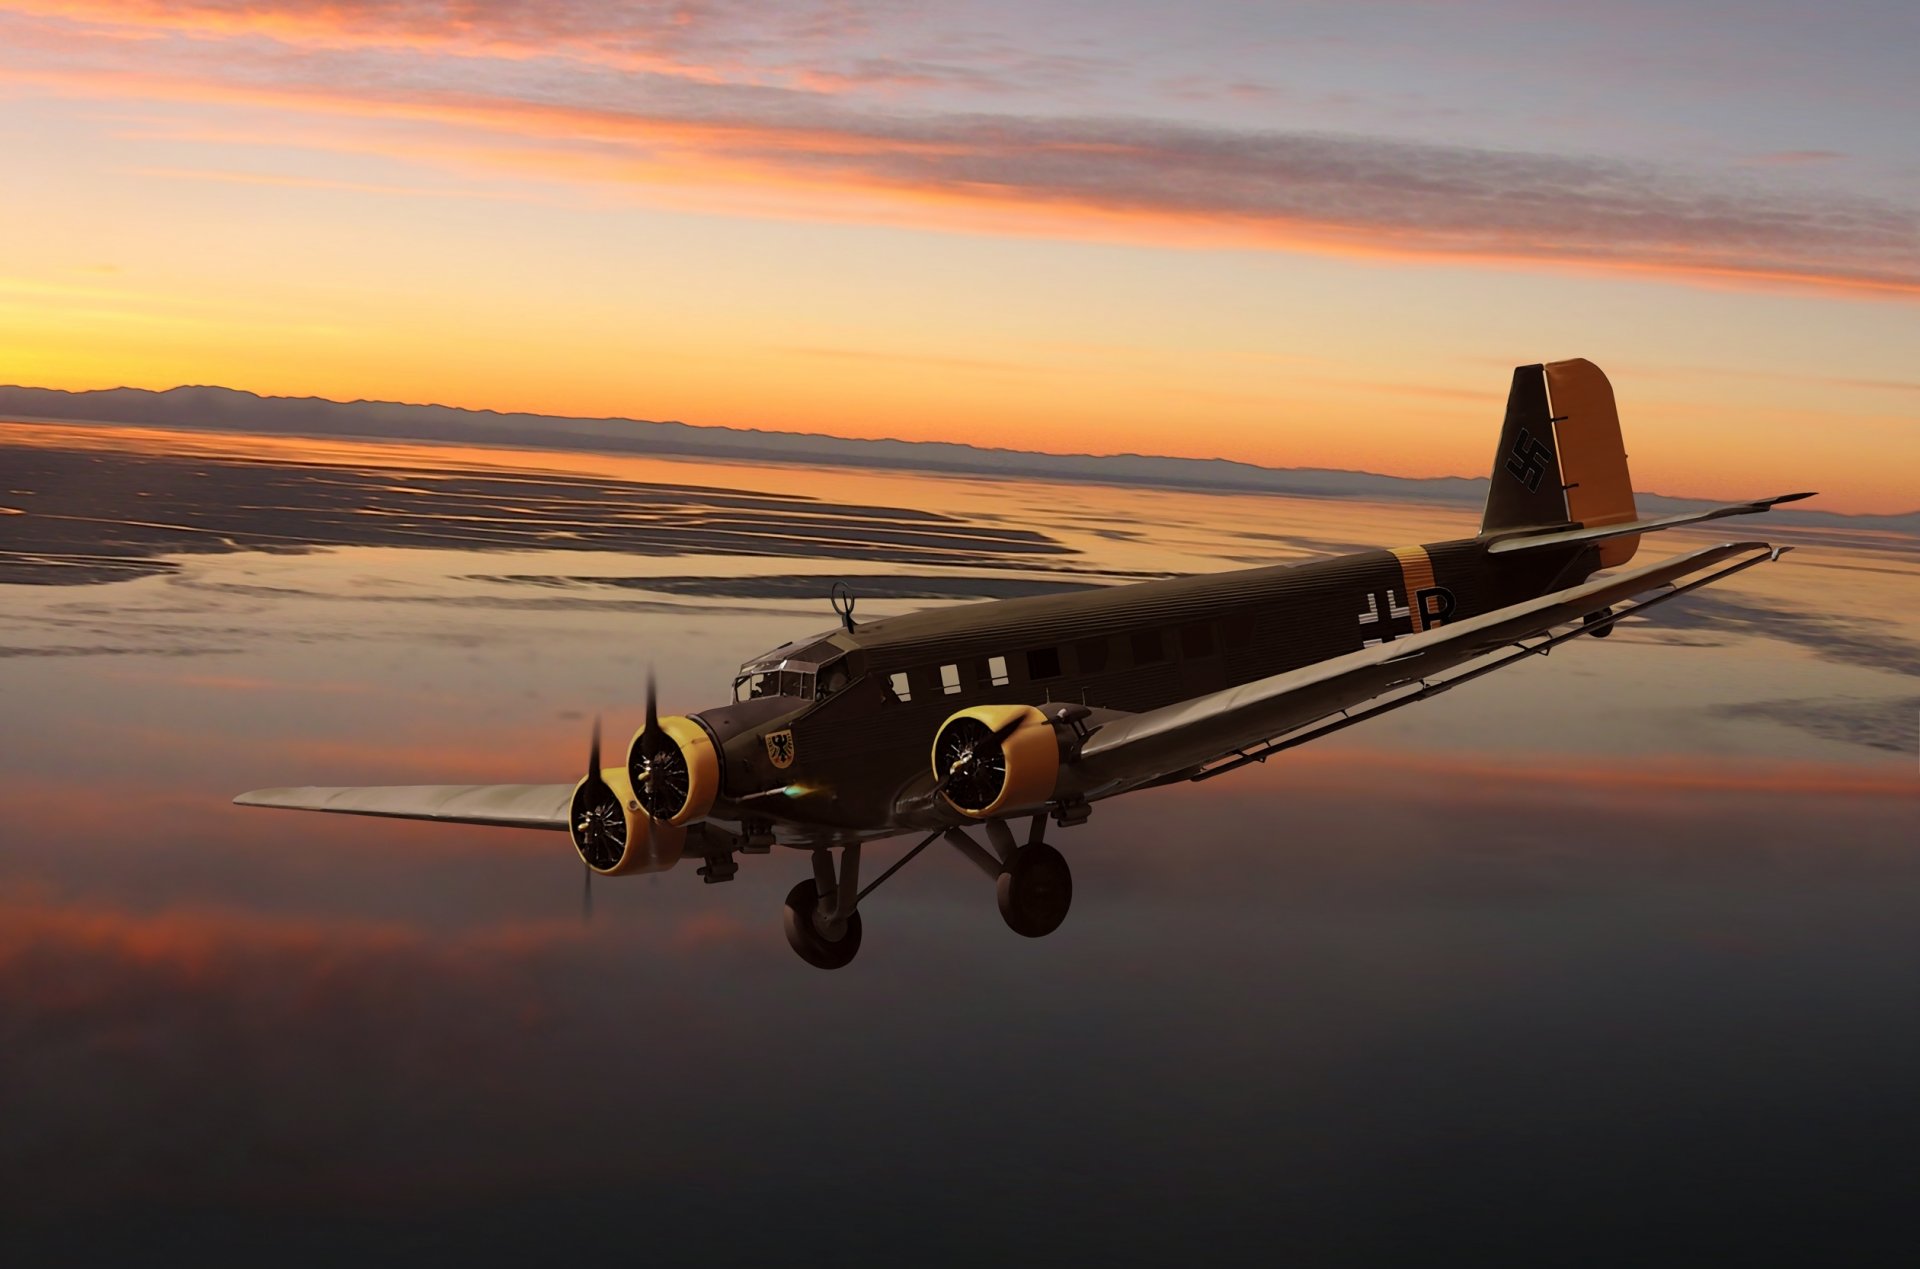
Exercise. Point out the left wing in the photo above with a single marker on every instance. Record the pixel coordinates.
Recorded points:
(501, 805)
(1183, 737)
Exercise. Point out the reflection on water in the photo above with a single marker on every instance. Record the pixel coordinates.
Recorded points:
(95, 515)
(1609, 951)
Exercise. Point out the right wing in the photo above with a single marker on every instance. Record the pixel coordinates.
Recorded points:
(501, 805)
(1182, 737)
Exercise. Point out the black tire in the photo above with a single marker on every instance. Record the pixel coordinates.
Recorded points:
(1035, 891)
(815, 948)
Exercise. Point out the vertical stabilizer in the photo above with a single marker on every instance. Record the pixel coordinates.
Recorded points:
(1525, 492)
(1561, 460)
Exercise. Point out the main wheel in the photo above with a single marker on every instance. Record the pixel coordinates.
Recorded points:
(1035, 891)
(804, 933)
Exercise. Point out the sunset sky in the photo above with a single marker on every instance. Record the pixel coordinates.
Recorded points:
(1296, 234)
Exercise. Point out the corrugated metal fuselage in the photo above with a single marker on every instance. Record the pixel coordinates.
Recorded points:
(1131, 648)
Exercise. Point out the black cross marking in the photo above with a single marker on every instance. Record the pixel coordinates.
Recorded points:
(1383, 610)
(1530, 460)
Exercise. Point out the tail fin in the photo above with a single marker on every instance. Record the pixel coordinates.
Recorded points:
(1561, 460)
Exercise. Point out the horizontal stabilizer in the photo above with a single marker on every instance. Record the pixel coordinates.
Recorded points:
(1531, 541)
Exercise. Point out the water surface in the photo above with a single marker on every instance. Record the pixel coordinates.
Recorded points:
(1607, 956)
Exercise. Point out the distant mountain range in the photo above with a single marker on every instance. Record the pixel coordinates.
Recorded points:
(230, 410)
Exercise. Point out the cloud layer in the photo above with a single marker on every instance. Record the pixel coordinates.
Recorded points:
(728, 108)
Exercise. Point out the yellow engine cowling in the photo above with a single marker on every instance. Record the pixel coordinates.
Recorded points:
(646, 844)
(995, 759)
(693, 766)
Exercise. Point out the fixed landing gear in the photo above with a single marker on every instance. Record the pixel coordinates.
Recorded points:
(820, 919)
(1032, 882)
(1035, 891)
(809, 935)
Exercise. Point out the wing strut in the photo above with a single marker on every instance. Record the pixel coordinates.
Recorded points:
(1428, 690)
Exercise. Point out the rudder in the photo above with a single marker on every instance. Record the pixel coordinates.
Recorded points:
(1593, 457)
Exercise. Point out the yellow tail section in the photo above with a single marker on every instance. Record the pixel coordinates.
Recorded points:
(1593, 458)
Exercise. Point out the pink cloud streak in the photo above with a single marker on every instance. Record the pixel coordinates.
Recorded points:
(428, 82)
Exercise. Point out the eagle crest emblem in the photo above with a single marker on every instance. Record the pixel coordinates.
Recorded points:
(780, 748)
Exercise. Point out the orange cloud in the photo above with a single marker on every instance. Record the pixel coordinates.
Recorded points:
(749, 149)
(637, 37)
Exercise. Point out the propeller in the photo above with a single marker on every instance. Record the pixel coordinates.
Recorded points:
(661, 779)
(598, 821)
(970, 758)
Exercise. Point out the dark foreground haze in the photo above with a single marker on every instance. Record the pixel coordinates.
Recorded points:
(1630, 977)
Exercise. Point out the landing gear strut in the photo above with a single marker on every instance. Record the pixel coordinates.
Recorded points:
(1033, 883)
(821, 922)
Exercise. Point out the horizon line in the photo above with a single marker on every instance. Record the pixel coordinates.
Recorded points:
(836, 438)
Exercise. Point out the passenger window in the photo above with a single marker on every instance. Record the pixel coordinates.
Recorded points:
(996, 671)
(1236, 632)
(1043, 663)
(1196, 640)
(901, 690)
(1091, 655)
(950, 679)
(1147, 648)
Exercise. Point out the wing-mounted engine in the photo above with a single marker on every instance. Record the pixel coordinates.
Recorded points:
(611, 829)
(673, 769)
(992, 760)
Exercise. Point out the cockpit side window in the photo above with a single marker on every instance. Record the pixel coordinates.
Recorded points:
(834, 678)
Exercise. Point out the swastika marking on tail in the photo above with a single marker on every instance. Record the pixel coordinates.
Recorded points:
(1530, 460)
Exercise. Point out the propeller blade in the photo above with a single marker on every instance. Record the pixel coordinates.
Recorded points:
(586, 898)
(593, 754)
(652, 732)
(652, 740)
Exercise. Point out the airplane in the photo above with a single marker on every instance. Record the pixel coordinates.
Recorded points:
(980, 716)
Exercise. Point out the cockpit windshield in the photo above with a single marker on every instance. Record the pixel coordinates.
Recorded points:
(758, 683)
(790, 678)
